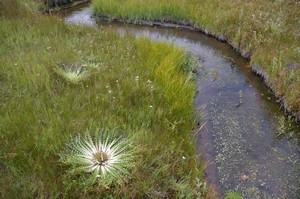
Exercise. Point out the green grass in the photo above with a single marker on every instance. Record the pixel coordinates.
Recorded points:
(132, 86)
(267, 30)
(233, 195)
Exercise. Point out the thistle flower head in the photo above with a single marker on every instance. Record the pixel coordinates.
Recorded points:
(72, 73)
(103, 156)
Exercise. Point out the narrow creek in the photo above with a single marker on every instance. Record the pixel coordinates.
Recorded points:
(248, 144)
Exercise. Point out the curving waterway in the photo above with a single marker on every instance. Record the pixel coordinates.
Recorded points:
(248, 144)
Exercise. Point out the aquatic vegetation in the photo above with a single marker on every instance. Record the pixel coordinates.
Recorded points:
(233, 195)
(106, 157)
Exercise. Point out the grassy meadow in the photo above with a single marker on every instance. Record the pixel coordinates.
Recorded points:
(58, 81)
(267, 31)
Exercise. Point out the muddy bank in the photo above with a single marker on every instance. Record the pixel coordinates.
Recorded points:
(169, 23)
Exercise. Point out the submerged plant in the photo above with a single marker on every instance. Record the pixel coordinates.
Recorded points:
(103, 157)
(233, 195)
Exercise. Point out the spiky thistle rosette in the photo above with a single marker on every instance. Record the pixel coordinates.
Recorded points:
(72, 73)
(104, 157)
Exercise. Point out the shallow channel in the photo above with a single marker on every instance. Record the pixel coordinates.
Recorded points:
(249, 145)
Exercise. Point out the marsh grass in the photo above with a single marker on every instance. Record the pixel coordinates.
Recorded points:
(40, 109)
(268, 31)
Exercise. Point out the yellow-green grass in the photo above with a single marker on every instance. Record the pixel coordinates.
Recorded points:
(267, 30)
(134, 86)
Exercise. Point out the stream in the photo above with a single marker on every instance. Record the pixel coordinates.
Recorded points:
(249, 145)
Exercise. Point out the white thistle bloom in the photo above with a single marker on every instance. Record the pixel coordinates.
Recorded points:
(106, 158)
(72, 73)
(75, 76)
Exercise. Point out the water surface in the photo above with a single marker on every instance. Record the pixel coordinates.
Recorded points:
(249, 145)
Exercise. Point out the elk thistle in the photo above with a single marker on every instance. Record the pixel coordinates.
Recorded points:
(105, 158)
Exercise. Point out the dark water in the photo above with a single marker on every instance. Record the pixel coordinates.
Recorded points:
(246, 135)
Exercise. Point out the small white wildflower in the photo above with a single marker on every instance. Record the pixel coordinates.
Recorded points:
(16, 64)
(117, 81)
(49, 47)
(183, 157)
(151, 106)
(149, 81)
(109, 91)
(107, 86)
